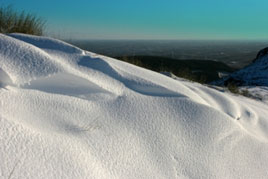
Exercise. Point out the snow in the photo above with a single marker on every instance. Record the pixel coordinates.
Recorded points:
(257, 92)
(69, 113)
(255, 74)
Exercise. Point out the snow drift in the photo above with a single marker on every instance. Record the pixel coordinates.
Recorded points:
(69, 113)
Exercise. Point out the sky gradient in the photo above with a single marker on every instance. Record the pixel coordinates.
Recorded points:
(150, 19)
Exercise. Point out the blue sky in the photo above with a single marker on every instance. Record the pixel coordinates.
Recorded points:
(150, 19)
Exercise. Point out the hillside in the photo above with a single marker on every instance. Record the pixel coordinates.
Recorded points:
(69, 113)
(255, 74)
(204, 71)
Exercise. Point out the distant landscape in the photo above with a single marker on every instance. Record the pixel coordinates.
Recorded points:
(236, 54)
(200, 61)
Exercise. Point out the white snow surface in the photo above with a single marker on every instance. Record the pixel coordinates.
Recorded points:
(68, 113)
(257, 92)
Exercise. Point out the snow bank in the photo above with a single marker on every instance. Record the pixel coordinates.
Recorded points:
(69, 113)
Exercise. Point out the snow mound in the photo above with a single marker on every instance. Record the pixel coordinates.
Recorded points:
(69, 113)
(22, 62)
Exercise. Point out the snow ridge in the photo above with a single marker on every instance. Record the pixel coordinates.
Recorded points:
(69, 113)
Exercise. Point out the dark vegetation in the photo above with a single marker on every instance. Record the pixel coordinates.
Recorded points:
(203, 71)
(233, 88)
(20, 22)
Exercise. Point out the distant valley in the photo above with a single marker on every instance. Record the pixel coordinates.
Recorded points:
(236, 54)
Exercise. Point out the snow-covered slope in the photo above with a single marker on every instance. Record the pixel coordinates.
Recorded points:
(68, 113)
(255, 74)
